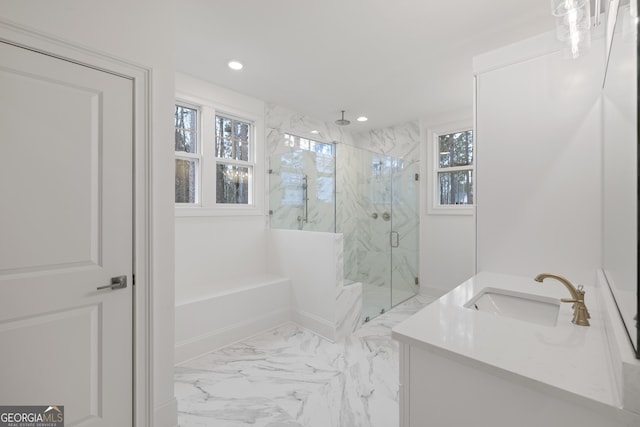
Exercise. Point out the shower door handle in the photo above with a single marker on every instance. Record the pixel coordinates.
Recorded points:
(305, 199)
(394, 239)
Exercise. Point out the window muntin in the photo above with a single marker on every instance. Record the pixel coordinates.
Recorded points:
(187, 152)
(455, 168)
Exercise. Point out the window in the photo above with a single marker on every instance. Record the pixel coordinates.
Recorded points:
(454, 168)
(233, 166)
(215, 160)
(187, 154)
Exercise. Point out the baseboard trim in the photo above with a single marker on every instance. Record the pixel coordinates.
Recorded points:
(314, 323)
(197, 346)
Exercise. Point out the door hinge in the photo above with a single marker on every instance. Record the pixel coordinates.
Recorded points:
(270, 171)
(133, 280)
(417, 177)
(417, 281)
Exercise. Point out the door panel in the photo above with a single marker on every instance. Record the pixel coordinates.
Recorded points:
(65, 229)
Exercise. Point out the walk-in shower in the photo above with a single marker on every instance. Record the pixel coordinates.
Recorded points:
(371, 198)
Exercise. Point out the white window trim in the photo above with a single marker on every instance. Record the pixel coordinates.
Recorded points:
(207, 205)
(433, 205)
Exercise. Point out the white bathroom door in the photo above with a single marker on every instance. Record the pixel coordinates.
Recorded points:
(66, 229)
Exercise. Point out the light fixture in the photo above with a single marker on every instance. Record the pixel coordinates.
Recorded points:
(573, 24)
(235, 65)
(315, 132)
(362, 119)
(342, 121)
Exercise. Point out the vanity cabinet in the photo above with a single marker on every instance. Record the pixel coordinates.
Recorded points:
(461, 366)
(439, 389)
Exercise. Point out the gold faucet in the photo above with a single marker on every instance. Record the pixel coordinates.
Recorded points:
(580, 311)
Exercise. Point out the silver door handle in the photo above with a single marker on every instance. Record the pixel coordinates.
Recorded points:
(118, 282)
(397, 236)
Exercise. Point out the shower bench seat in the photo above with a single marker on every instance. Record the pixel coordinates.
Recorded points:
(247, 306)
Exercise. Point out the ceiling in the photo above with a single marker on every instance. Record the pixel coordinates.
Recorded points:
(390, 60)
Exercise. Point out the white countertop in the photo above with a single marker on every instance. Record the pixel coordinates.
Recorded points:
(567, 357)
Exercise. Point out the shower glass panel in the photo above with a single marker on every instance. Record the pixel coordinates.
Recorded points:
(302, 185)
(370, 198)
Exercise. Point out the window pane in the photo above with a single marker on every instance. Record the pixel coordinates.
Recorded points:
(223, 148)
(232, 184)
(232, 139)
(186, 172)
(186, 118)
(456, 149)
(218, 127)
(227, 129)
(186, 129)
(242, 152)
(242, 131)
(456, 188)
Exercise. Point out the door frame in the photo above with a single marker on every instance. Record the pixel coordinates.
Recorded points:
(36, 41)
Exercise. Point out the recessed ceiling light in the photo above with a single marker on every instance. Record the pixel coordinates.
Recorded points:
(235, 65)
(362, 119)
(315, 131)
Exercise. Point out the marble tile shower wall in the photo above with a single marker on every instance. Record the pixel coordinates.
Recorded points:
(362, 189)
(350, 170)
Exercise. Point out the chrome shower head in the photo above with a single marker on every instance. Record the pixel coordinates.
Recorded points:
(342, 121)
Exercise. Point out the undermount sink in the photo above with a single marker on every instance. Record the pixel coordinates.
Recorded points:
(516, 305)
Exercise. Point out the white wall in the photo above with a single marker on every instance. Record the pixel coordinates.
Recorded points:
(448, 237)
(539, 160)
(140, 32)
(215, 247)
(213, 252)
(313, 262)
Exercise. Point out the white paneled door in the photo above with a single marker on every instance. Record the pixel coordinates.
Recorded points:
(66, 190)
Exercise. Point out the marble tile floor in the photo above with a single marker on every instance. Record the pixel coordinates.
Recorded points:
(289, 376)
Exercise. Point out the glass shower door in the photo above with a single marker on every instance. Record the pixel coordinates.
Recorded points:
(404, 237)
(374, 233)
(387, 232)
